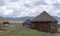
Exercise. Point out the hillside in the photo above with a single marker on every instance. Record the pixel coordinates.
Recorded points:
(22, 32)
(57, 18)
(20, 18)
(2, 18)
(27, 32)
(25, 18)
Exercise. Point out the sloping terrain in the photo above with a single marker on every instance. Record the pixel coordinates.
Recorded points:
(2, 18)
(27, 32)
(22, 32)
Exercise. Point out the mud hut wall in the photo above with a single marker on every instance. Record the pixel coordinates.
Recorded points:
(35, 25)
(45, 26)
(53, 26)
(40, 25)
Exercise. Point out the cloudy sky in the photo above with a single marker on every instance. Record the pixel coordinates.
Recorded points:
(22, 8)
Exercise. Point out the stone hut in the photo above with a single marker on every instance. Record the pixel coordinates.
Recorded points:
(44, 22)
(26, 24)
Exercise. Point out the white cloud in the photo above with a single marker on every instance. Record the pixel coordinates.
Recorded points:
(6, 11)
(30, 1)
(13, 0)
(50, 2)
(34, 11)
(58, 1)
(57, 13)
(21, 10)
(14, 5)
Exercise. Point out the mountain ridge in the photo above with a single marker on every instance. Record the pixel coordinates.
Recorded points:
(25, 18)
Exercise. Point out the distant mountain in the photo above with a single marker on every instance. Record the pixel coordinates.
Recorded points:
(25, 18)
(21, 18)
(3, 19)
(58, 18)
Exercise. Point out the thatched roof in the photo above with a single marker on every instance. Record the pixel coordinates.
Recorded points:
(43, 17)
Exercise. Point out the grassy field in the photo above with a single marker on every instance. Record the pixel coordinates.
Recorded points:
(26, 32)
(16, 22)
(22, 32)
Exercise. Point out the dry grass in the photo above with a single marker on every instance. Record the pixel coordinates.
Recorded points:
(16, 22)
(26, 32)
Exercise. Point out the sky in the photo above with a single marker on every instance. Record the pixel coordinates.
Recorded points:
(32, 8)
